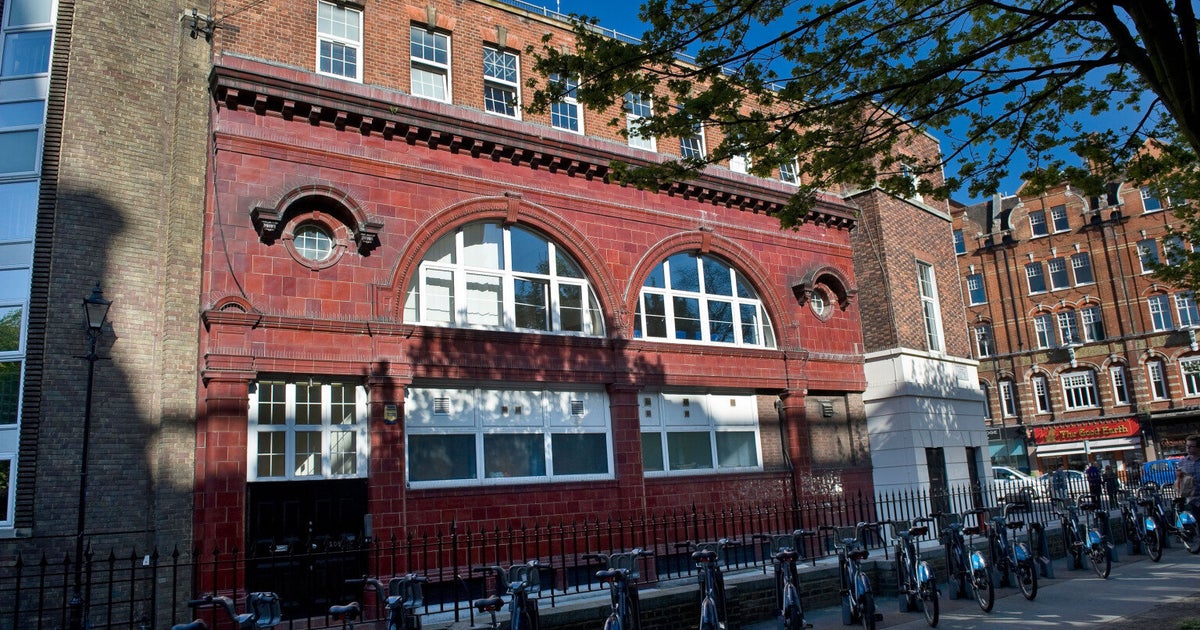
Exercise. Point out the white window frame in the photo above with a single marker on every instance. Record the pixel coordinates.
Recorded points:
(1045, 330)
(1160, 312)
(743, 298)
(492, 80)
(1035, 278)
(1189, 371)
(987, 399)
(1091, 323)
(1068, 327)
(984, 342)
(1120, 384)
(739, 163)
(482, 413)
(637, 108)
(1058, 217)
(1008, 399)
(1148, 254)
(430, 67)
(693, 146)
(327, 429)
(789, 172)
(1037, 223)
(975, 286)
(662, 414)
(1056, 269)
(931, 309)
(960, 244)
(1185, 308)
(428, 286)
(566, 108)
(1079, 390)
(1082, 260)
(1158, 380)
(1041, 393)
(1174, 250)
(346, 14)
(1151, 202)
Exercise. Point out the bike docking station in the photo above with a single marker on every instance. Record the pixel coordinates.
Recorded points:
(1041, 549)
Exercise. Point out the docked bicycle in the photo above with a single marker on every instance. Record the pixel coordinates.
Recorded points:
(968, 567)
(1010, 556)
(1099, 548)
(858, 600)
(786, 551)
(1176, 520)
(708, 556)
(1074, 537)
(521, 583)
(620, 574)
(263, 610)
(915, 579)
(400, 599)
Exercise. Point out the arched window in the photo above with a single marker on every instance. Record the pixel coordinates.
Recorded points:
(486, 275)
(694, 298)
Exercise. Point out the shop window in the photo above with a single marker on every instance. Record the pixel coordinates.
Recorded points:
(692, 298)
(307, 429)
(690, 433)
(477, 436)
(486, 275)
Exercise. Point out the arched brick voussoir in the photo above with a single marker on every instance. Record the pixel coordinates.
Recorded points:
(510, 209)
(704, 241)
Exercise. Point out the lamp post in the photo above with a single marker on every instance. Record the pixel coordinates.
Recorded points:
(95, 310)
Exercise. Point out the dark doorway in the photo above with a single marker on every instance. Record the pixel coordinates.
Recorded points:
(305, 539)
(974, 463)
(939, 488)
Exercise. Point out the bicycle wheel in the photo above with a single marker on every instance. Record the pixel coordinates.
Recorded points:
(960, 571)
(868, 611)
(613, 622)
(1191, 538)
(1027, 579)
(1074, 545)
(1154, 542)
(904, 582)
(1101, 561)
(985, 591)
(793, 619)
(929, 603)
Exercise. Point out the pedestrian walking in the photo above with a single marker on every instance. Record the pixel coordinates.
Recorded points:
(1058, 482)
(1095, 481)
(1111, 485)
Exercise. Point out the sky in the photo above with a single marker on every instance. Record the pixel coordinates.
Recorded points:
(621, 16)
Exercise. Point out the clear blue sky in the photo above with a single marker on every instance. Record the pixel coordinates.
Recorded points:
(622, 16)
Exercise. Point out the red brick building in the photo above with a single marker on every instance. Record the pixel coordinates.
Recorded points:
(1083, 353)
(428, 306)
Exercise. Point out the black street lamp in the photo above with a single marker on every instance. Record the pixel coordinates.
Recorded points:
(95, 310)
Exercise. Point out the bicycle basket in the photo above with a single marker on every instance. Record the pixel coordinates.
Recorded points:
(409, 592)
(265, 608)
(528, 575)
(625, 561)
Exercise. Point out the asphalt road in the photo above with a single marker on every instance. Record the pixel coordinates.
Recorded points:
(1138, 594)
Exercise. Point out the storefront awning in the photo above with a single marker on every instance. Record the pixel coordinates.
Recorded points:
(1094, 446)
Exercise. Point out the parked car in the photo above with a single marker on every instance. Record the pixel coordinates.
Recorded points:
(1076, 483)
(1160, 471)
(1014, 486)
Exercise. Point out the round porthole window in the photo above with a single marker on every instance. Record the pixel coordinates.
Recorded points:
(820, 303)
(312, 242)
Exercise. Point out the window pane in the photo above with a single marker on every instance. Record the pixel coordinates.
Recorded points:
(580, 453)
(652, 455)
(716, 278)
(10, 329)
(683, 273)
(22, 113)
(570, 307)
(564, 266)
(343, 452)
(308, 454)
(1082, 263)
(339, 59)
(342, 404)
(720, 321)
(439, 296)
(10, 391)
(530, 252)
(749, 324)
(272, 406)
(514, 455)
(271, 451)
(5, 486)
(26, 53)
(443, 250)
(485, 301)
(657, 278)
(483, 246)
(689, 451)
(441, 457)
(656, 315)
(308, 404)
(687, 318)
(24, 12)
(531, 298)
(736, 449)
(18, 151)
(18, 211)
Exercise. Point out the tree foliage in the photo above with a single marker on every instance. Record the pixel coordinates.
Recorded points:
(844, 85)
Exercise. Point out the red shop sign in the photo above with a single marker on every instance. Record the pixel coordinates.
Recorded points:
(1080, 431)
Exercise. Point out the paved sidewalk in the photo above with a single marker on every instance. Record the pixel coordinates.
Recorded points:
(1139, 594)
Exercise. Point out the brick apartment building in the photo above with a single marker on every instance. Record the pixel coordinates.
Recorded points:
(1083, 354)
(348, 270)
